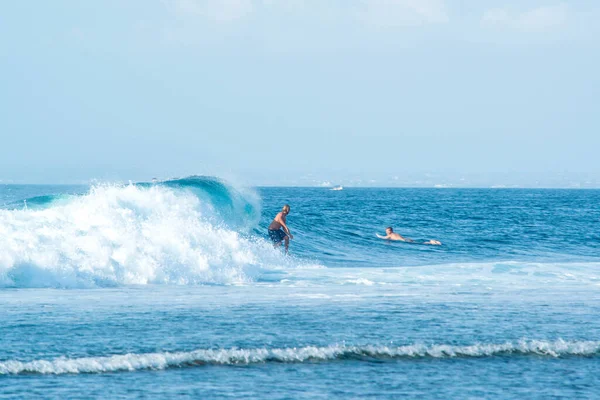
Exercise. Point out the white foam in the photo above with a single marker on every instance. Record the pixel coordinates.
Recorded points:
(119, 235)
(360, 281)
(159, 361)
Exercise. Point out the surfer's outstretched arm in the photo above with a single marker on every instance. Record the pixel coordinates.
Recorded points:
(382, 237)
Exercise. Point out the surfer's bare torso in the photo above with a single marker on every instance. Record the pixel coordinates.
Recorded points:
(279, 222)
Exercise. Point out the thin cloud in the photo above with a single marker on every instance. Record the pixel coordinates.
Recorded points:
(287, 5)
(539, 19)
(217, 10)
(401, 13)
(378, 13)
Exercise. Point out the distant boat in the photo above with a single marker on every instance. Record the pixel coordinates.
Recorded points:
(340, 187)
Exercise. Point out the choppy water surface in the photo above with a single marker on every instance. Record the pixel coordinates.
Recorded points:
(171, 289)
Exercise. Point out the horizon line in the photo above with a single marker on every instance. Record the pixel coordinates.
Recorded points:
(437, 186)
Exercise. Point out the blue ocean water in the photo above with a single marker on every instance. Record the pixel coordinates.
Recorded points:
(171, 289)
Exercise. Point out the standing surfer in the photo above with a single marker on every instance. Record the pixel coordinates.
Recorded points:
(278, 230)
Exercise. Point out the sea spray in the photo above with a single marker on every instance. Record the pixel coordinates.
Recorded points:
(180, 232)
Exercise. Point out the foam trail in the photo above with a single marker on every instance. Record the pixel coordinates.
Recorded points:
(160, 361)
(178, 232)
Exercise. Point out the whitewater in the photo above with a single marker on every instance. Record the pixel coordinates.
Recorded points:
(157, 361)
(175, 286)
(133, 234)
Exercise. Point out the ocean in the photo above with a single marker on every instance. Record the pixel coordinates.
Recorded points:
(171, 289)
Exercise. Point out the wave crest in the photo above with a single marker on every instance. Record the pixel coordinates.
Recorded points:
(186, 231)
(160, 361)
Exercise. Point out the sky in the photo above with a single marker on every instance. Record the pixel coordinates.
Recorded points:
(302, 92)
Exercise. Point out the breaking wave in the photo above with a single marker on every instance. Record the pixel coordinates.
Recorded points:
(166, 360)
(184, 231)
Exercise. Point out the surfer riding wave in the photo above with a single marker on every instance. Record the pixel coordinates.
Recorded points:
(278, 230)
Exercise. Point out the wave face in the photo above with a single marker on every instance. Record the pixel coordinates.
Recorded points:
(185, 231)
(160, 361)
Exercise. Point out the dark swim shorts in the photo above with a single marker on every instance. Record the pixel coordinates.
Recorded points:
(277, 235)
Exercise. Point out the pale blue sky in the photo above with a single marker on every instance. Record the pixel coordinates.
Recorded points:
(300, 92)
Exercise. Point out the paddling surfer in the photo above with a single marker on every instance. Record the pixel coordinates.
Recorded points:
(278, 230)
(391, 235)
